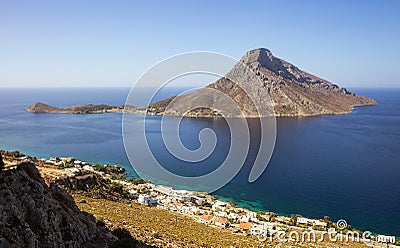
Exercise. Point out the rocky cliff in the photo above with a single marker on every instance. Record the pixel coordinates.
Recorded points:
(36, 215)
(292, 92)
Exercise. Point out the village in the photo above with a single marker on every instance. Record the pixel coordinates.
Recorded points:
(202, 207)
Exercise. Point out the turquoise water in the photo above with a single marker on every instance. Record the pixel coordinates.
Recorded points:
(344, 166)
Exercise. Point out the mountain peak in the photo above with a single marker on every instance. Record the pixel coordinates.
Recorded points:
(259, 55)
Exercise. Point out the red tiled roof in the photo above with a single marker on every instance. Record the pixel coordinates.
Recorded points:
(246, 225)
(221, 220)
(207, 217)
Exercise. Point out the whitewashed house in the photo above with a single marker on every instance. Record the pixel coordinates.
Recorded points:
(305, 221)
(244, 219)
(269, 225)
(233, 216)
(88, 168)
(184, 209)
(206, 219)
(132, 193)
(163, 190)
(194, 210)
(221, 214)
(198, 200)
(222, 222)
(320, 223)
(252, 216)
(258, 230)
(146, 200)
(219, 206)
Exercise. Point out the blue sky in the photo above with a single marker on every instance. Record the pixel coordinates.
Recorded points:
(111, 43)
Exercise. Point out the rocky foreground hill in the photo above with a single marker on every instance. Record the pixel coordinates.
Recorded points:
(36, 212)
(292, 92)
(36, 215)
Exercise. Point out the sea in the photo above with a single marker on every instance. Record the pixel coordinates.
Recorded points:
(342, 166)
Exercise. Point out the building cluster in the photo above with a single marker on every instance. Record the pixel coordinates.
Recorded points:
(63, 161)
(75, 166)
(209, 211)
(311, 222)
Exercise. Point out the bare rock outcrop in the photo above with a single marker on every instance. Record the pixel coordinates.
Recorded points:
(42, 108)
(33, 214)
(1, 163)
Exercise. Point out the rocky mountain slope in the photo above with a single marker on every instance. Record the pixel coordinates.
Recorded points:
(36, 215)
(292, 92)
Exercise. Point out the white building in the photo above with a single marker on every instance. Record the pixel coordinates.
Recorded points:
(184, 209)
(198, 200)
(252, 216)
(233, 216)
(132, 193)
(320, 223)
(304, 221)
(60, 163)
(194, 210)
(222, 222)
(219, 206)
(258, 230)
(149, 185)
(206, 219)
(88, 168)
(163, 190)
(221, 214)
(244, 219)
(146, 200)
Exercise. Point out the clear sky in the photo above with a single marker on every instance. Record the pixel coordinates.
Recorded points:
(111, 43)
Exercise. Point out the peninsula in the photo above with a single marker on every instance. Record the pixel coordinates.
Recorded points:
(82, 109)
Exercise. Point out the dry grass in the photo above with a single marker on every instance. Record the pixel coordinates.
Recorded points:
(169, 229)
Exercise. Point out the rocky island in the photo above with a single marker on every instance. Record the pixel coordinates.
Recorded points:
(292, 92)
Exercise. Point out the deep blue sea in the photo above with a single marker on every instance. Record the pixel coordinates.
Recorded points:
(344, 166)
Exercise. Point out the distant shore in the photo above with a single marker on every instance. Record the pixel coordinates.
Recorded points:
(42, 108)
(83, 109)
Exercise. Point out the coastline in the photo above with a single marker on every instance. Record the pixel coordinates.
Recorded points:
(285, 218)
(41, 108)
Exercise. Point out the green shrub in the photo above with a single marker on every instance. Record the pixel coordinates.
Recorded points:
(99, 167)
(138, 181)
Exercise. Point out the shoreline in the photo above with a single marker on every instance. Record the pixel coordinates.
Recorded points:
(41, 108)
(285, 219)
